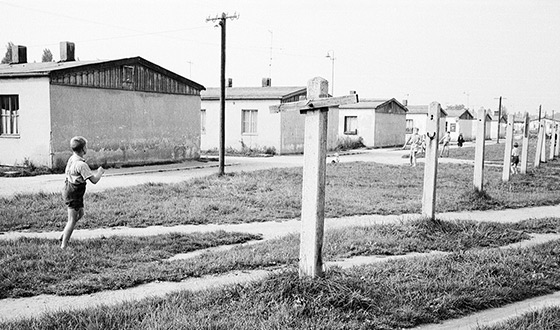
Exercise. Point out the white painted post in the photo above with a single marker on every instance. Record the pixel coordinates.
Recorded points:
(552, 141)
(557, 150)
(313, 190)
(525, 147)
(431, 161)
(506, 171)
(538, 152)
(479, 151)
(543, 150)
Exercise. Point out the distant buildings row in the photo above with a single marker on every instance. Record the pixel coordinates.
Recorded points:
(135, 112)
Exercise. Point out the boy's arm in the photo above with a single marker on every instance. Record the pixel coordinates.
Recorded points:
(97, 175)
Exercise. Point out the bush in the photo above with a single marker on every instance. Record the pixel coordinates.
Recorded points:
(348, 143)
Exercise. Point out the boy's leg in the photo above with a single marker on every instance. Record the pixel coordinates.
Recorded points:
(73, 217)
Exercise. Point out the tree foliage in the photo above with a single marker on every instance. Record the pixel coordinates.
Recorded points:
(47, 55)
(8, 56)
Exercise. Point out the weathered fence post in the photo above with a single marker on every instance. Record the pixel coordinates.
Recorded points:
(552, 141)
(525, 149)
(506, 172)
(538, 152)
(315, 109)
(313, 190)
(479, 151)
(430, 168)
(543, 150)
(557, 149)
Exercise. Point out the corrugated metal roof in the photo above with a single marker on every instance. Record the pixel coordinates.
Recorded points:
(251, 93)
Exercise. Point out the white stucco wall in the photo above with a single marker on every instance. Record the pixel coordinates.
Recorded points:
(464, 126)
(365, 119)
(34, 123)
(268, 125)
(420, 120)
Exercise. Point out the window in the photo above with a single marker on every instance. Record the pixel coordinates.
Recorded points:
(452, 127)
(203, 121)
(409, 126)
(351, 125)
(128, 73)
(249, 122)
(9, 115)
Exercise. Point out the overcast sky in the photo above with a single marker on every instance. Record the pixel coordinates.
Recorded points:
(452, 52)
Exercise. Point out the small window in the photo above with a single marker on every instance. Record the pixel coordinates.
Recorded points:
(128, 73)
(203, 121)
(409, 126)
(350, 125)
(9, 115)
(249, 122)
(452, 127)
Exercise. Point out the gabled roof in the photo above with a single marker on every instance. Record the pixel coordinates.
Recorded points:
(48, 69)
(253, 93)
(372, 104)
(463, 114)
(422, 109)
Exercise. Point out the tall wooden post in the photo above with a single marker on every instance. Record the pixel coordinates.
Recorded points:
(538, 152)
(313, 190)
(506, 171)
(430, 168)
(552, 141)
(525, 147)
(557, 149)
(479, 151)
(543, 150)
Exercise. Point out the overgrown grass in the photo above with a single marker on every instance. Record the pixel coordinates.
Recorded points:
(35, 266)
(547, 318)
(30, 266)
(391, 295)
(271, 195)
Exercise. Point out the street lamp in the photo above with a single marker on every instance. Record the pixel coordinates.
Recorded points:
(330, 54)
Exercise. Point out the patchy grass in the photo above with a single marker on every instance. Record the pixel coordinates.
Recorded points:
(495, 152)
(547, 318)
(33, 266)
(391, 295)
(272, 195)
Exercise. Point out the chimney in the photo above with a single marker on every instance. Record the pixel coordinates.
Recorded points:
(266, 82)
(67, 51)
(19, 54)
(352, 92)
(229, 82)
(405, 102)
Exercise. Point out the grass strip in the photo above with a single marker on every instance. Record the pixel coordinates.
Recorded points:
(392, 295)
(272, 195)
(547, 318)
(31, 266)
(36, 266)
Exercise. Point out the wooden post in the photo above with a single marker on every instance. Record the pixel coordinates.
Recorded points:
(479, 151)
(543, 150)
(552, 141)
(506, 170)
(525, 147)
(313, 190)
(430, 165)
(538, 152)
(557, 150)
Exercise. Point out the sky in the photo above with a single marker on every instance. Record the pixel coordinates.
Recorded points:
(467, 52)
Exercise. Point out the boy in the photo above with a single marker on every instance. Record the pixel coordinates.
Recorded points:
(415, 143)
(445, 140)
(515, 157)
(77, 172)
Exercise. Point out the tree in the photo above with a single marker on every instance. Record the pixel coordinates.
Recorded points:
(8, 56)
(456, 107)
(47, 55)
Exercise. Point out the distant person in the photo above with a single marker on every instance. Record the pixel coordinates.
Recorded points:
(460, 140)
(515, 158)
(445, 140)
(77, 173)
(415, 144)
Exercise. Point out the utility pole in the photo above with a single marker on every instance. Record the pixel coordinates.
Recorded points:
(222, 22)
(499, 118)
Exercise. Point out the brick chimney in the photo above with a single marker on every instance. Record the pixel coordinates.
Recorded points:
(67, 50)
(266, 82)
(19, 54)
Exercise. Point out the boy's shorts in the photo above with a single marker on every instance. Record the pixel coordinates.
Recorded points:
(74, 195)
(515, 160)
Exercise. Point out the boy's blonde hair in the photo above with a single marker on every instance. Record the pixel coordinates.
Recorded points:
(78, 143)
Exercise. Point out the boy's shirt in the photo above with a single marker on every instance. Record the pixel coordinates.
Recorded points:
(515, 152)
(77, 170)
